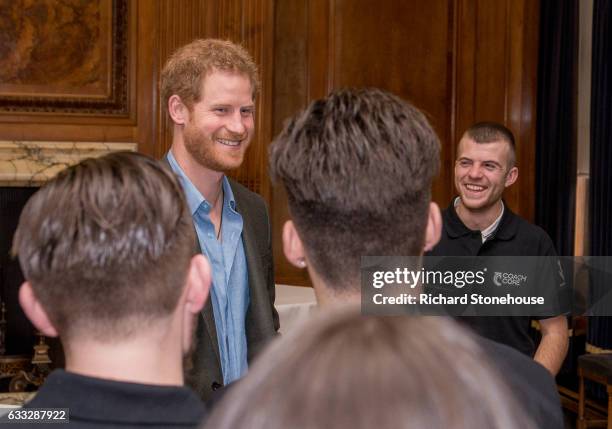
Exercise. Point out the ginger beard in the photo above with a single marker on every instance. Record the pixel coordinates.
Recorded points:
(220, 126)
(222, 151)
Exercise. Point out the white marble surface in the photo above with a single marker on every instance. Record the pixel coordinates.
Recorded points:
(31, 163)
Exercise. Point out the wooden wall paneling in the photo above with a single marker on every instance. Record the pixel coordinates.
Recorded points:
(482, 63)
(465, 78)
(229, 22)
(402, 47)
(292, 90)
(178, 22)
(320, 52)
(522, 98)
(496, 80)
(460, 61)
(143, 80)
(251, 22)
(491, 60)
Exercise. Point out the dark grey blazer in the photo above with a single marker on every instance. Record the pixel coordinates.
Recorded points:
(262, 323)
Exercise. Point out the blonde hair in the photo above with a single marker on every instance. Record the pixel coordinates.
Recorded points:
(351, 371)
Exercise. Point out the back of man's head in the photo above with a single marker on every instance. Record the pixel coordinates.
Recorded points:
(357, 167)
(106, 246)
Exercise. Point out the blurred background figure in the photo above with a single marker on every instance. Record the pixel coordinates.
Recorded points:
(345, 370)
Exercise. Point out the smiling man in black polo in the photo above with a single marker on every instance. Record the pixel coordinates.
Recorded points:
(477, 223)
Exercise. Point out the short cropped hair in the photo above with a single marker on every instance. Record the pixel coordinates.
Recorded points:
(357, 167)
(106, 245)
(489, 132)
(345, 370)
(186, 68)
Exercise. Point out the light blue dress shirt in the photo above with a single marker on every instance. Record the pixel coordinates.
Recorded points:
(230, 283)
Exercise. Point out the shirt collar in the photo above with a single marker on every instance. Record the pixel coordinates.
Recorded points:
(101, 400)
(504, 227)
(228, 195)
(490, 230)
(194, 198)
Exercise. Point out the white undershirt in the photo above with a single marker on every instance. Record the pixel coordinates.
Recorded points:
(488, 231)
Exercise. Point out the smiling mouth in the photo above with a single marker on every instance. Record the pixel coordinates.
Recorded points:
(474, 188)
(227, 142)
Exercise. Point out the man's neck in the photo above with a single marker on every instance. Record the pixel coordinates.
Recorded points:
(136, 360)
(208, 182)
(328, 298)
(478, 220)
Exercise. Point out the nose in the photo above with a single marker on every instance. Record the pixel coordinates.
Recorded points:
(475, 172)
(236, 124)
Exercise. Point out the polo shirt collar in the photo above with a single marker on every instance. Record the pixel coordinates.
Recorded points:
(455, 228)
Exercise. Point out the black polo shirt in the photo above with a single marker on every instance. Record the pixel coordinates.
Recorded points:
(513, 237)
(100, 403)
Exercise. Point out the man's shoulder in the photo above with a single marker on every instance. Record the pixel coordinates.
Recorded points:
(244, 196)
(525, 231)
(511, 359)
(532, 385)
(98, 401)
(527, 227)
(238, 187)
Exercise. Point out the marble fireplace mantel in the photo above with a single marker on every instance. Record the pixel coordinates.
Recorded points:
(31, 163)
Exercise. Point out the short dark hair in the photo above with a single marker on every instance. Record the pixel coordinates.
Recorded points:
(489, 132)
(106, 245)
(357, 166)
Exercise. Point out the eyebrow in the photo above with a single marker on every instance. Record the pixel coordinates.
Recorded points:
(246, 106)
(463, 158)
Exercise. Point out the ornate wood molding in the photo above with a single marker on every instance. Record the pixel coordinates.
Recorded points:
(63, 58)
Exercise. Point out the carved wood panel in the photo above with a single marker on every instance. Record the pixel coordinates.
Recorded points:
(64, 57)
(79, 71)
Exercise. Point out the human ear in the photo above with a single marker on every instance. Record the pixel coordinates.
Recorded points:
(511, 176)
(34, 310)
(434, 227)
(293, 246)
(198, 283)
(196, 292)
(177, 110)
